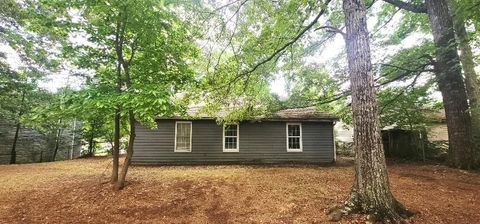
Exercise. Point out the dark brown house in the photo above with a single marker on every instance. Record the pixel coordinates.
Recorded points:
(300, 135)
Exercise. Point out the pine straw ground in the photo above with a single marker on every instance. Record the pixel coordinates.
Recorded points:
(76, 192)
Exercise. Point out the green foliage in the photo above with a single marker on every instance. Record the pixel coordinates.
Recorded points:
(408, 63)
(311, 85)
(19, 93)
(404, 108)
(469, 10)
(248, 33)
(407, 104)
(410, 23)
(155, 43)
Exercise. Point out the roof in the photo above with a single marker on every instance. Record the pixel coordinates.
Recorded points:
(292, 114)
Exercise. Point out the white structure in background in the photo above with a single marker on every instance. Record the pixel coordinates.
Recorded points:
(343, 132)
(436, 131)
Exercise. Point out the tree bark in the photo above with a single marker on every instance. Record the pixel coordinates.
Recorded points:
(13, 153)
(370, 192)
(116, 147)
(119, 37)
(451, 84)
(90, 145)
(471, 79)
(128, 159)
(57, 143)
(131, 118)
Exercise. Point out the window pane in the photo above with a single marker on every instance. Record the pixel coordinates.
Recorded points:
(294, 142)
(183, 136)
(230, 142)
(293, 130)
(231, 130)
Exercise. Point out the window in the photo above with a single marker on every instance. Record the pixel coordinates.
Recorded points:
(294, 137)
(230, 137)
(183, 136)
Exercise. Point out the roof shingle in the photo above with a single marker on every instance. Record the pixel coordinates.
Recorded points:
(292, 114)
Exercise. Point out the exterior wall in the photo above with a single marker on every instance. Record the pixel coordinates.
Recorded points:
(34, 147)
(437, 132)
(260, 142)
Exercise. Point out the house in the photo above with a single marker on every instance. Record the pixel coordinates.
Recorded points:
(301, 135)
(34, 146)
(436, 129)
(400, 143)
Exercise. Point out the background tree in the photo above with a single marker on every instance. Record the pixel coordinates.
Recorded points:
(472, 82)
(276, 39)
(450, 82)
(140, 56)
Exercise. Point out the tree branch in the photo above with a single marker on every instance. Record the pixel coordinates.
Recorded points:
(411, 85)
(331, 29)
(416, 8)
(291, 42)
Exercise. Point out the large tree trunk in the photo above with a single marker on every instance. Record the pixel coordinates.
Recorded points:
(450, 83)
(471, 78)
(128, 159)
(370, 192)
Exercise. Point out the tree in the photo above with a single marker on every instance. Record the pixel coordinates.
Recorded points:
(30, 29)
(472, 81)
(140, 58)
(371, 191)
(19, 95)
(51, 117)
(275, 37)
(450, 82)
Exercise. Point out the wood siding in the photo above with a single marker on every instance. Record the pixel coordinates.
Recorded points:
(260, 142)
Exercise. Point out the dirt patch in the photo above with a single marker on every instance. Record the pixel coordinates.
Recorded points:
(78, 192)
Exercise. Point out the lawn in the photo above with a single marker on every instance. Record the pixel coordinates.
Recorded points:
(78, 192)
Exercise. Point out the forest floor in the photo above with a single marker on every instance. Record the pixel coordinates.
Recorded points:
(78, 192)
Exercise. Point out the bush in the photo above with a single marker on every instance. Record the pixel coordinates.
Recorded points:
(344, 149)
(436, 150)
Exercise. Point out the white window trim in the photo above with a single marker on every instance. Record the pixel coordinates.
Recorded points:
(301, 138)
(191, 128)
(238, 139)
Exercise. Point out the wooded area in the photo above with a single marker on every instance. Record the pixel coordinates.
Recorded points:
(374, 64)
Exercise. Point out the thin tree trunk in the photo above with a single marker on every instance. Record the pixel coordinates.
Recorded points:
(116, 134)
(128, 159)
(116, 147)
(90, 145)
(57, 143)
(131, 118)
(450, 83)
(471, 79)
(370, 192)
(13, 153)
(119, 37)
